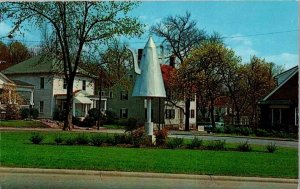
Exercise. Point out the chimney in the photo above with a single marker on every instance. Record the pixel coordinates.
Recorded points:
(172, 61)
(140, 54)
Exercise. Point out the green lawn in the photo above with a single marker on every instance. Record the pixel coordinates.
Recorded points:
(17, 151)
(21, 123)
(114, 126)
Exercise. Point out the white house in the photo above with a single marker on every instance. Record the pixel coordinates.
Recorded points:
(25, 90)
(46, 75)
(174, 115)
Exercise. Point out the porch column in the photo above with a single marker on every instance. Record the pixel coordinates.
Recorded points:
(9, 96)
(31, 97)
(104, 105)
(272, 112)
(86, 110)
(73, 108)
(280, 115)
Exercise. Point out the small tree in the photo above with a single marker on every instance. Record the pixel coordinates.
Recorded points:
(12, 101)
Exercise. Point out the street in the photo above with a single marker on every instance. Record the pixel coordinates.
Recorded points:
(31, 180)
(282, 143)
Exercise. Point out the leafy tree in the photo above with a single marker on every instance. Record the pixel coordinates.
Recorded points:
(12, 101)
(207, 64)
(76, 26)
(260, 81)
(181, 35)
(13, 53)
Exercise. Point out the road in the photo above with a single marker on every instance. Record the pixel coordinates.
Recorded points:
(283, 143)
(74, 181)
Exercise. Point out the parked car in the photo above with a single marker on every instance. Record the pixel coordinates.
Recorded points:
(209, 128)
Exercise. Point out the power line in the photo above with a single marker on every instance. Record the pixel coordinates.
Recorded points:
(259, 34)
(226, 37)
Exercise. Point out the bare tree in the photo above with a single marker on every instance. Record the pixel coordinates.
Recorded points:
(181, 35)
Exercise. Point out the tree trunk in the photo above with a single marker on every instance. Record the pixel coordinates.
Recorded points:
(187, 114)
(69, 107)
(99, 105)
(212, 114)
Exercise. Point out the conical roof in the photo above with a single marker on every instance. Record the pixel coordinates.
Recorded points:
(150, 82)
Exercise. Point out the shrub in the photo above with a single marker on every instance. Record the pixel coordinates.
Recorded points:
(244, 147)
(58, 115)
(161, 136)
(97, 139)
(88, 122)
(24, 113)
(94, 113)
(82, 139)
(174, 143)
(216, 145)
(196, 143)
(58, 139)
(261, 133)
(76, 121)
(246, 131)
(12, 112)
(131, 124)
(271, 148)
(228, 129)
(219, 130)
(140, 138)
(36, 138)
(121, 139)
(34, 113)
(70, 140)
(111, 117)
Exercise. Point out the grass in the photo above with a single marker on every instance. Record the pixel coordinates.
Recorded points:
(17, 151)
(22, 124)
(114, 126)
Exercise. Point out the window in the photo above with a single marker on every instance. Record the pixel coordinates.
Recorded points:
(192, 98)
(42, 83)
(83, 85)
(102, 93)
(110, 94)
(170, 114)
(192, 114)
(123, 113)
(124, 95)
(41, 106)
(65, 84)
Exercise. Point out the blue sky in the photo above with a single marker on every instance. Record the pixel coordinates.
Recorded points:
(230, 19)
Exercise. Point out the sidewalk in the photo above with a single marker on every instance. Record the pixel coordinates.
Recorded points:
(145, 175)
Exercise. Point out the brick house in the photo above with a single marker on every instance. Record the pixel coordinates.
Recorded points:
(279, 109)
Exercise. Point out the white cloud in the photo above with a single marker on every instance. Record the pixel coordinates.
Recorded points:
(288, 60)
(5, 28)
(143, 17)
(242, 47)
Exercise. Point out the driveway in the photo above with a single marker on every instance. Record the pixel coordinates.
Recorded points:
(283, 143)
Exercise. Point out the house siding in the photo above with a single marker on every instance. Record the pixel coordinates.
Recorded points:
(45, 94)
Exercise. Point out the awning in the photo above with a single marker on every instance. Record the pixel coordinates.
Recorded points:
(82, 100)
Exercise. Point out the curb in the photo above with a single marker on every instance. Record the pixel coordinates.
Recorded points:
(261, 138)
(145, 175)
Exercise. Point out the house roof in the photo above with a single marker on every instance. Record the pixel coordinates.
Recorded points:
(291, 73)
(22, 83)
(4, 78)
(40, 64)
(284, 75)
